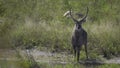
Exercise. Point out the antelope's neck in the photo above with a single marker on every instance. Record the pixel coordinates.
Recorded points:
(78, 28)
(77, 31)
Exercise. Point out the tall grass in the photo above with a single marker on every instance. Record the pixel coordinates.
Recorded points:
(54, 36)
(103, 38)
(41, 23)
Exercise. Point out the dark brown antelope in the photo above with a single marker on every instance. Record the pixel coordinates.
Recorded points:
(79, 36)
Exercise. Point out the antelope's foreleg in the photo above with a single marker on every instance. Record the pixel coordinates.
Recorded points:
(78, 54)
(86, 50)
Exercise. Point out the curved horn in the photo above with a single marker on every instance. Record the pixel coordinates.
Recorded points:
(85, 15)
(71, 13)
(72, 16)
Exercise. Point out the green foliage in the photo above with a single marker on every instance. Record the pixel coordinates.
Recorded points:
(45, 35)
(104, 38)
(41, 23)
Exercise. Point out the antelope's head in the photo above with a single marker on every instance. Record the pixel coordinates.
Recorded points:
(78, 22)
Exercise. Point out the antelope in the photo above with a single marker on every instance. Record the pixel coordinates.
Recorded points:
(79, 35)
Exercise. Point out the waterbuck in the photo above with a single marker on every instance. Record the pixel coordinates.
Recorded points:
(79, 36)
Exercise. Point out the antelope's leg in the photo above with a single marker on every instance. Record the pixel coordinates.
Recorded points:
(86, 50)
(74, 51)
(78, 54)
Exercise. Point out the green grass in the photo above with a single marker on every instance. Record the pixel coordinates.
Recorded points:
(78, 65)
(41, 23)
(11, 64)
(103, 39)
(17, 64)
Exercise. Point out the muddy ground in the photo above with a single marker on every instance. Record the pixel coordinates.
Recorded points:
(46, 56)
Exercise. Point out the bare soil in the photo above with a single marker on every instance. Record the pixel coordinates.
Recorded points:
(45, 56)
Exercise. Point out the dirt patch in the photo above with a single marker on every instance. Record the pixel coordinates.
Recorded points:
(113, 61)
(46, 56)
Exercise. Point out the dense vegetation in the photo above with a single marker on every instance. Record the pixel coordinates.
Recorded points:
(41, 23)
